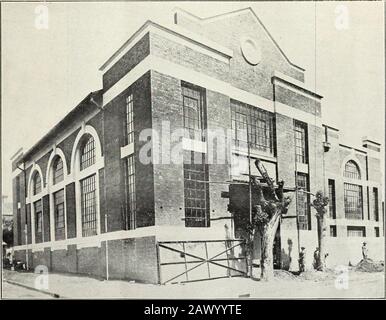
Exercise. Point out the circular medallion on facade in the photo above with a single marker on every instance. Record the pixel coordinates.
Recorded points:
(251, 51)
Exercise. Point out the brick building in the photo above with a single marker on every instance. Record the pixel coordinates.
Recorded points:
(83, 194)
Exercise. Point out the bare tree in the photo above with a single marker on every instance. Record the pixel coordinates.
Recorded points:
(270, 206)
(320, 203)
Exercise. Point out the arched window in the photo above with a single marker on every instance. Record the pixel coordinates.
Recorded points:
(87, 152)
(351, 170)
(353, 194)
(37, 184)
(86, 161)
(57, 167)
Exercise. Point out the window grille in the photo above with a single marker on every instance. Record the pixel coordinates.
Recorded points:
(59, 215)
(58, 170)
(87, 154)
(351, 170)
(196, 193)
(192, 101)
(38, 221)
(301, 142)
(131, 192)
(303, 202)
(353, 204)
(37, 184)
(253, 125)
(129, 119)
(88, 205)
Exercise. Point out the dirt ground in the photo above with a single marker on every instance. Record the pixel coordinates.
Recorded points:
(12, 291)
(332, 284)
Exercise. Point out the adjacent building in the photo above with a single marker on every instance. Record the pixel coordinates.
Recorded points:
(103, 192)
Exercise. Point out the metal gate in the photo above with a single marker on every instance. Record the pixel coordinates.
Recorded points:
(186, 261)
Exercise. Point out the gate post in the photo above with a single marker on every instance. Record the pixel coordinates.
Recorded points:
(158, 263)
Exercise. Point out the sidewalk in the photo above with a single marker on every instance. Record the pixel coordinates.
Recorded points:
(369, 285)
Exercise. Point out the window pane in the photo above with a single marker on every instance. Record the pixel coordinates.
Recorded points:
(37, 184)
(59, 215)
(129, 119)
(351, 170)
(131, 196)
(87, 153)
(331, 196)
(301, 142)
(195, 191)
(38, 221)
(375, 204)
(192, 101)
(303, 202)
(353, 205)
(58, 170)
(88, 202)
(253, 125)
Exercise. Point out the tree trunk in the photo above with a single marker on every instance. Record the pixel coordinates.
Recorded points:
(321, 243)
(268, 236)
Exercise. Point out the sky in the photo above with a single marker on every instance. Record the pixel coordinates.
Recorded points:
(47, 72)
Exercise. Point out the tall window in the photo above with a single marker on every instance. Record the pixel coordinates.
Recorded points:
(303, 202)
(353, 204)
(131, 196)
(87, 152)
(301, 142)
(331, 196)
(253, 125)
(38, 221)
(58, 170)
(195, 191)
(193, 101)
(59, 215)
(88, 206)
(129, 119)
(351, 170)
(37, 184)
(375, 204)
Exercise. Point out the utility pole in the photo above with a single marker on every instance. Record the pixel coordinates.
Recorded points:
(26, 246)
(249, 175)
(250, 199)
(107, 250)
(104, 184)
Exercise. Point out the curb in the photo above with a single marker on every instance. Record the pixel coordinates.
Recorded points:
(55, 295)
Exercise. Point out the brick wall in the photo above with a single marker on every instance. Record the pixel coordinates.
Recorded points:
(46, 218)
(144, 178)
(187, 57)
(29, 223)
(130, 59)
(297, 100)
(219, 117)
(129, 259)
(71, 210)
(228, 33)
(115, 166)
(66, 146)
(168, 178)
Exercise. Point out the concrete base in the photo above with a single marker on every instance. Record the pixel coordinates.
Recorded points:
(129, 259)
